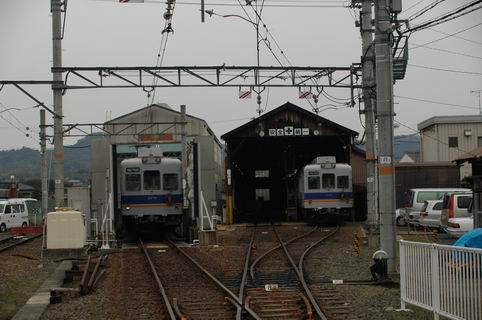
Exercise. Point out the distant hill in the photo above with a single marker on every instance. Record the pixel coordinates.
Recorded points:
(24, 163)
(404, 144)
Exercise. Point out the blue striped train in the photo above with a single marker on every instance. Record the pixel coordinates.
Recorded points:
(151, 190)
(325, 190)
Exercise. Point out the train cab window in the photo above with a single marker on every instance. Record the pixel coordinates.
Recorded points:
(342, 182)
(313, 182)
(170, 181)
(152, 180)
(133, 182)
(328, 180)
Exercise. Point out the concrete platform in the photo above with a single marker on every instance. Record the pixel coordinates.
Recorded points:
(36, 305)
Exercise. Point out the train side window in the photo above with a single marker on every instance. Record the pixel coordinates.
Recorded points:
(313, 182)
(342, 182)
(152, 180)
(170, 181)
(328, 180)
(133, 182)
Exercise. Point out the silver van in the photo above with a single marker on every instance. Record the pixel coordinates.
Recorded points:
(455, 205)
(416, 197)
(15, 213)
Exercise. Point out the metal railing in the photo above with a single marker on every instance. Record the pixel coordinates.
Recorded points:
(446, 280)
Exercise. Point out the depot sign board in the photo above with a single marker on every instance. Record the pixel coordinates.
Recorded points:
(289, 131)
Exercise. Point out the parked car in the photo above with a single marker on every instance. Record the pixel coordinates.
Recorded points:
(416, 197)
(431, 213)
(455, 205)
(457, 227)
(15, 212)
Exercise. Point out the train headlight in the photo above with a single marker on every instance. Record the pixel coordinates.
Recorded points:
(128, 208)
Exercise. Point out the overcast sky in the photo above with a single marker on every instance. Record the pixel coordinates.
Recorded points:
(106, 33)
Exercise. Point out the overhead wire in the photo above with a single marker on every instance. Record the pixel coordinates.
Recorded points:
(457, 37)
(456, 13)
(281, 51)
(437, 102)
(447, 36)
(425, 9)
(445, 70)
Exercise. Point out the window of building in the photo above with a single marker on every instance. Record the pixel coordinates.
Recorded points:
(313, 182)
(261, 173)
(342, 182)
(453, 142)
(328, 180)
(262, 194)
(479, 141)
(170, 181)
(133, 182)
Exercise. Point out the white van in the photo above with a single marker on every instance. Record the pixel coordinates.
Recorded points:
(15, 212)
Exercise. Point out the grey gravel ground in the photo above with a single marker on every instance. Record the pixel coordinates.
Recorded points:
(334, 259)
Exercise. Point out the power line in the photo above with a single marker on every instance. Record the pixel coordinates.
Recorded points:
(438, 102)
(459, 12)
(457, 37)
(444, 50)
(413, 6)
(445, 70)
(447, 36)
(425, 9)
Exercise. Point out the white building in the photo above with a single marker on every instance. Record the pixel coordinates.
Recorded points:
(446, 138)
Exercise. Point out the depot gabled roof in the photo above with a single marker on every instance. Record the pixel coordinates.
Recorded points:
(294, 108)
(162, 106)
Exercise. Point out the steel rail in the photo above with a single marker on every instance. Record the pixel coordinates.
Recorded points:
(19, 242)
(230, 294)
(253, 265)
(6, 239)
(307, 290)
(158, 281)
(300, 264)
(245, 274)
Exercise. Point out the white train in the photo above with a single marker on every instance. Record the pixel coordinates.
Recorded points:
(151, 189)
(325, 189)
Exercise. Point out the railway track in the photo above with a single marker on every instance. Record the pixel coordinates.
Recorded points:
(189, 291)
(11, 242)
(278, 288)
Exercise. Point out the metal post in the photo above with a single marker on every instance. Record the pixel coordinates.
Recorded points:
(56, 9)
(43, 165)
(186, 217)
(368, 80)
(386, 172)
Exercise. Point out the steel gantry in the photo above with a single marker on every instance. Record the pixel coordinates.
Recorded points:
(208, 76)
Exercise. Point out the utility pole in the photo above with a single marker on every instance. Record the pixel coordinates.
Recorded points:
(186, 215)
(478, 93)
(386, 172)
(56, 10)
(368, 83)
(43, 166)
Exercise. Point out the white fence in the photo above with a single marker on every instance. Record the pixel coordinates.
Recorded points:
(444, 279)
